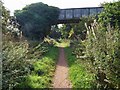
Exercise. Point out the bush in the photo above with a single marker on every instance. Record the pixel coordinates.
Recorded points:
(102, 47)
(15, 65)
(110, 14)
(43, 71)
(18, 57)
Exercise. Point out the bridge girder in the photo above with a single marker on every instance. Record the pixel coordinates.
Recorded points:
(73, 15)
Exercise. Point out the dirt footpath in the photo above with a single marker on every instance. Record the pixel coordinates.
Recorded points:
(61, 74)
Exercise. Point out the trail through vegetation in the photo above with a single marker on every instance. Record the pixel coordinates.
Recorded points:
(61, 74)
(92, 50)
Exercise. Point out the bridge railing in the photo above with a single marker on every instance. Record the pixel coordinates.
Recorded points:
(76, 13)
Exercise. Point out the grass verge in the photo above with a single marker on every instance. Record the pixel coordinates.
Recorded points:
(79, 71)
(43, 71)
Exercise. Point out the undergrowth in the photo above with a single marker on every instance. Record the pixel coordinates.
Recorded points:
(42, 71)
(79, 75)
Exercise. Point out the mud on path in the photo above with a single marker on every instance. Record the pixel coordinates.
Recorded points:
(60, 79)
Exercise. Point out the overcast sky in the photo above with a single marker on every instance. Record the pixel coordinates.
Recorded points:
(19, 4)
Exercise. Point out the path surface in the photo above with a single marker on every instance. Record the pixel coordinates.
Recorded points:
(61, 74)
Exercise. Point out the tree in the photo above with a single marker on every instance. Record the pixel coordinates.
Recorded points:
(36, 19)
(76, 30)
(55, 33)
(5, 17)
(110, 14)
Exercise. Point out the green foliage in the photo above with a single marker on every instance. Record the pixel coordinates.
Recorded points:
(79, 28)
(36, 49)
(78, 48)
(71, 58)
(96, 59)
(5, 17)
(80, 78)
(36, 19)
(76, 30)
(64, 31)
(79, 74)
(15, 64)
(41, 76)
(17, 59)
(63, 43)
(110, 14)
(103, 49)
(55, 32)
(23, 61)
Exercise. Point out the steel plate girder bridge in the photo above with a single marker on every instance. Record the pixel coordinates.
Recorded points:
(73, 15)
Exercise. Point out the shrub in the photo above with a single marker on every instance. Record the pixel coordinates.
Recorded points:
(15, 65)
(103, 48)
(18, 57)
(43, 71)
(110, 14)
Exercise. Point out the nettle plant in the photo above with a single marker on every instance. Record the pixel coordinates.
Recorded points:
(103, 49)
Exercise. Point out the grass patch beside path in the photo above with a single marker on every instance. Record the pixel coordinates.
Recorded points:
(63, 43)
(41, 76)
(79, 74)
(59, 42)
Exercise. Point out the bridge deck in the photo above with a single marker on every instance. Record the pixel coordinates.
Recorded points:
(74, 14)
